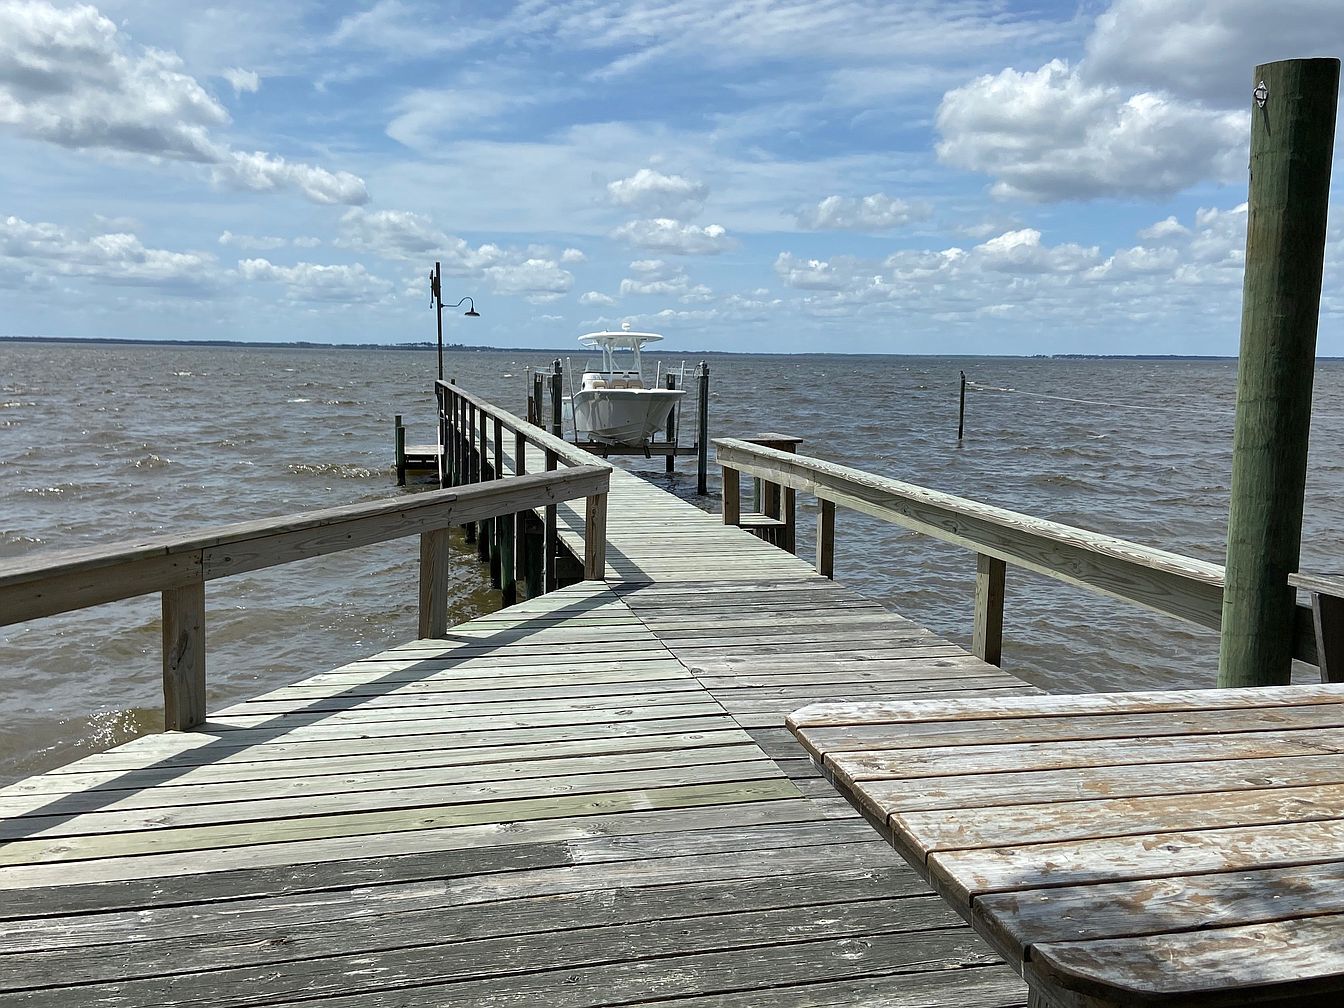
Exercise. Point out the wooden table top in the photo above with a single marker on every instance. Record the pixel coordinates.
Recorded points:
(1156, 848)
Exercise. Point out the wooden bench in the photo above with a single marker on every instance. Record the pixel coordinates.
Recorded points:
(1157, 848)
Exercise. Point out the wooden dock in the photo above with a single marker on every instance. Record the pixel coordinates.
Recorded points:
(588, 798)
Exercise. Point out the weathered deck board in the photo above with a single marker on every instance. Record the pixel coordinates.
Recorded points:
(585, 799)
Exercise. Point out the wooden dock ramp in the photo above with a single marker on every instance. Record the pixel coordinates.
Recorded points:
(585, 799)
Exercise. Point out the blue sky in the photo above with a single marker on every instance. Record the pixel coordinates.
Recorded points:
(909, 176)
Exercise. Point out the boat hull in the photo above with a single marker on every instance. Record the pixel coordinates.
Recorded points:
(623, 416)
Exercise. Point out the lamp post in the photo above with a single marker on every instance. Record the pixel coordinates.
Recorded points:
(436, 300)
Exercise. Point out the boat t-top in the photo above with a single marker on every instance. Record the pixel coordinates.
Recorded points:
(614, 406)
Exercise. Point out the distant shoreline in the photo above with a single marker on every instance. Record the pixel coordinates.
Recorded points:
(456, 347)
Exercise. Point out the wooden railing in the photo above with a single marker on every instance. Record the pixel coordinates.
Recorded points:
(471, 431)
(1168, 583)
(179, 566)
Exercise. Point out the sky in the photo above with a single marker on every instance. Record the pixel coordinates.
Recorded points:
(863, 176)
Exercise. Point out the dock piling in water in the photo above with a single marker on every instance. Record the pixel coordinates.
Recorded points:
(1292, 144)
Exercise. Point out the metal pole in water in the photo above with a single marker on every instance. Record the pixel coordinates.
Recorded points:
(1292, 140)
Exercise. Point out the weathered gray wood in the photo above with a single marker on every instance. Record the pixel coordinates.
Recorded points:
(184, 656)
(549, 542)
(1028, 839)
(987, 640)
(732, 489)
(435, 570)
(1156, 579)
(1327, 610)
(825, 537)
(595, 538)
(40, 585)
(1292, 147)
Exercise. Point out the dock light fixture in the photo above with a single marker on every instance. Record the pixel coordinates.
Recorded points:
(436, 302)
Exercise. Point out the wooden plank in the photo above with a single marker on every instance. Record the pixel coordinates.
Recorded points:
(413, 794)
(1298, 960)
(991, 758)
(1146, 815)
(1162, 906)
(211, 784)
(1057, 705)
(1124, 729)
(963, 875)
(221, 836)
(621, 827)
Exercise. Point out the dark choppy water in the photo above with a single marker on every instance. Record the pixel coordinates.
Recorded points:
(103, 443)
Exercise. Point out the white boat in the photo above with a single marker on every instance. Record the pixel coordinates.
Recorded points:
(613, 406)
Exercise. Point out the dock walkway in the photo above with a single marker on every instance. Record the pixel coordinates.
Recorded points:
(586, 799)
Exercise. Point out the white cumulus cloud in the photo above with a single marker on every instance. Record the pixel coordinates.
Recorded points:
(654, 194)
(315, 282)
(1049, 134)
(662, 234)
(69, 77)
(242, 80)
(120, 258)
(878, 212)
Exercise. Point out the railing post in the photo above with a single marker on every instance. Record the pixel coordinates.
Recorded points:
(826, 538)
(987, 641)
(435, 556)
(497, 523)
(519, 519)
(732, 503)
(485, 527)
(702, 433)
(184, 656)
(790, 520)
(1292, 144)
(469, 460)
(534, 555)
(460, 443)
(548, 543)
(595, 539)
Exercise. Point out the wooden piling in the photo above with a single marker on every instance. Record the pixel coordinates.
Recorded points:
(670, 382)
(399, 448)
(557, 397)
(961, 412)
(702, 431)
(1292, 140)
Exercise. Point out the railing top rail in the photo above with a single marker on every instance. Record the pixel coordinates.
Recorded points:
(957, 517)
(81, 575)
(538, 436)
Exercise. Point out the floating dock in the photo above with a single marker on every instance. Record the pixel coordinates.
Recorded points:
(589, 798)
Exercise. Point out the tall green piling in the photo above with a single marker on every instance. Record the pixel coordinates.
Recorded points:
(1292, 140)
